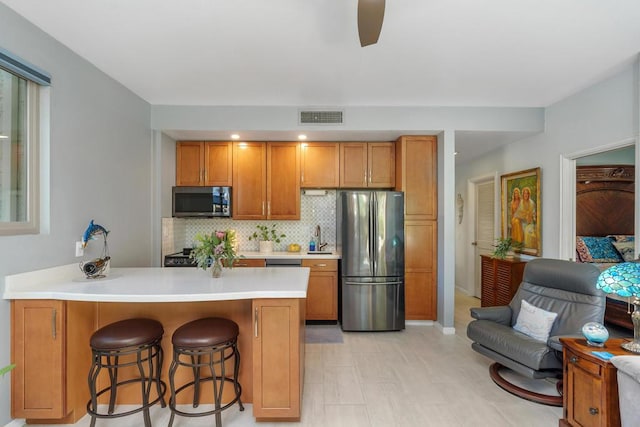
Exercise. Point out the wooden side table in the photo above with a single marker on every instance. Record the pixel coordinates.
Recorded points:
(590, 387)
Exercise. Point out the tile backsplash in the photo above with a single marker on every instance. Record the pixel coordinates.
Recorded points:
(178, 233)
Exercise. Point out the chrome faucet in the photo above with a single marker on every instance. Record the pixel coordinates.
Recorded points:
(320, 246)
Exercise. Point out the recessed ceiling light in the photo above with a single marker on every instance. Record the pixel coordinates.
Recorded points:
(302, 137)
(235, 136)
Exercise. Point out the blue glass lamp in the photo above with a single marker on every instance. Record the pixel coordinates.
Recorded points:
(624, 280)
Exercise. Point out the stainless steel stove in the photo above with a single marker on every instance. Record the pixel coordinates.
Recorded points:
(180, 259)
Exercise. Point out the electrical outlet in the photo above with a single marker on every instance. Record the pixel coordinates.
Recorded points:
(79, 249)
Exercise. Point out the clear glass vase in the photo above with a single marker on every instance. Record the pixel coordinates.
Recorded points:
(216, 268)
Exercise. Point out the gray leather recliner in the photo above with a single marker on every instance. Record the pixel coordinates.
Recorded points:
(563, 287)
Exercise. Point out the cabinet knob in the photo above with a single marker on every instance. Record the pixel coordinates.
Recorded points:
(593, 411)
(573, 359)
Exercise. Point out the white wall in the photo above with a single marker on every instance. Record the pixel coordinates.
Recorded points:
(100, 168)
(602, 114)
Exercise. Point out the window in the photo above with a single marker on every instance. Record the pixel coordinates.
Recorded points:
(19, 137)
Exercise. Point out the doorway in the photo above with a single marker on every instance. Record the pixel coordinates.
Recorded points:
(568, 191)
(481, 193)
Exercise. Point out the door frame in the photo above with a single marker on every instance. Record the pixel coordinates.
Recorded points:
(567, 241)
(472, 220)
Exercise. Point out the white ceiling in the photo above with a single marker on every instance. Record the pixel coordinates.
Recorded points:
(524, 53)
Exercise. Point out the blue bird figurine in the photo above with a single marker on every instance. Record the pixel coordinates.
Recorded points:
(91, 231)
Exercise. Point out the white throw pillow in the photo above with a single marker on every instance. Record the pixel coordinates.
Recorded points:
(534, 322)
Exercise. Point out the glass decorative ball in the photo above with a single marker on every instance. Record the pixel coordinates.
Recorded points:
(595, 333)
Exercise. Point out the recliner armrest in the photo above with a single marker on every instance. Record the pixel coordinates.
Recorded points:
(500, 314)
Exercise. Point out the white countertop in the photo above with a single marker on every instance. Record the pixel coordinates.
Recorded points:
(285, 254)
(158, 284)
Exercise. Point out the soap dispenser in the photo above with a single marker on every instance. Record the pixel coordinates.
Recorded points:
(312, 244)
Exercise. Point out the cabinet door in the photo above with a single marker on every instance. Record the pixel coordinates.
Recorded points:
(320, 165)
(249, 180)
(416, 175)
(420, 270)
(322, 292)
(189, 163)
(381, 164)
(584, 405)
(38, 349)
(488, 286)
(283, 180)
(278, 348)
(353, 165)
(218, 164)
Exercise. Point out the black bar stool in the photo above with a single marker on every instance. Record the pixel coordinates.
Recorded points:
(131, 342)
(207, 342)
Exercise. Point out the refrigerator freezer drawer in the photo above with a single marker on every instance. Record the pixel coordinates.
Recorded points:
(372, 306)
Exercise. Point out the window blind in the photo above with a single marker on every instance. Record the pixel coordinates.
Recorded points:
(22, 68)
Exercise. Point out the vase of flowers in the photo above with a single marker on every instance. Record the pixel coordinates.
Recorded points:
(212, 250)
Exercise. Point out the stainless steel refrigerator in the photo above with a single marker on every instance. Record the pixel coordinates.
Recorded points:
(372, 231)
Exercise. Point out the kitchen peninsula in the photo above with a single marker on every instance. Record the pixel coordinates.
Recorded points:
(55, 311)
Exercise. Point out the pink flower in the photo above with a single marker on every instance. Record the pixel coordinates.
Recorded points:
(220, 235)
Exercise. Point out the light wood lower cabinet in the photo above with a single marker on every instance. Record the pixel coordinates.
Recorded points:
(38, 382)
(590, 386)
(52, 356)
(420, 270)
(322, 292)
(50, 347)
(278, 355)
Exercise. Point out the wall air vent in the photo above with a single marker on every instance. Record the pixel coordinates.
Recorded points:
(317, 117)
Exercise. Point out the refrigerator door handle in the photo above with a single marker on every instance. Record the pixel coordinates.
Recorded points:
(372, 234)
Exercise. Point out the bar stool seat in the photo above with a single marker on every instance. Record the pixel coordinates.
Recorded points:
(207, 342)
(131, 342)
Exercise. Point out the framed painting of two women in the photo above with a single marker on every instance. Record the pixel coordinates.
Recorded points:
(521, 210)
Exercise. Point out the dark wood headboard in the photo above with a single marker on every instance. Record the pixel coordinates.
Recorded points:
(605, 200)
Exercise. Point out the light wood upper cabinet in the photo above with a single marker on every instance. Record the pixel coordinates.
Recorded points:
(416, 161)
(218, 164)
(266, 180)
(249, 193)
(189, 157)
(203, 163)
(367, 165)
(320, 165)
(283, 180)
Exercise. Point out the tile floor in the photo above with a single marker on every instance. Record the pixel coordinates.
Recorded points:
(417, 377)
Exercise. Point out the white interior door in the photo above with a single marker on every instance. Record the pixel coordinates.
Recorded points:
(484, 226)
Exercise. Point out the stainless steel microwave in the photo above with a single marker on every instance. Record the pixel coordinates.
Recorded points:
(203, 202)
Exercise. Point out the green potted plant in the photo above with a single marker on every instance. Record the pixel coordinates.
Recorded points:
(212, 249)
(504, 248)
(266, 236)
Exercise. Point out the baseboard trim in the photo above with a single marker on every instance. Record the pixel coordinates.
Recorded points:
(419, 322)
(446, 330)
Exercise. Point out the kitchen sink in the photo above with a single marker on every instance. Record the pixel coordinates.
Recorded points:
(319, 252)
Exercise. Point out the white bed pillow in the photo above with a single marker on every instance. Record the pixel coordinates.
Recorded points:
(534, 322)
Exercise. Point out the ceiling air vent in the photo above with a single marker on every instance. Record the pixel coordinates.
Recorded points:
(321, 117)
